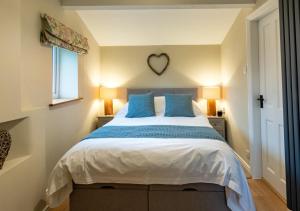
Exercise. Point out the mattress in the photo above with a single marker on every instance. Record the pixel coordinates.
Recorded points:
(147, 161)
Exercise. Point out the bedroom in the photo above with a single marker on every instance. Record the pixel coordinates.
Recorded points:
(207, 52)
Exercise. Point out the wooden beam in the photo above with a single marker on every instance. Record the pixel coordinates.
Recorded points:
(154, 4)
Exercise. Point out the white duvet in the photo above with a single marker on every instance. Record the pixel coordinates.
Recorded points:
(152, 161)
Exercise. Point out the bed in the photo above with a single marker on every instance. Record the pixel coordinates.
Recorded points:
(175, 171)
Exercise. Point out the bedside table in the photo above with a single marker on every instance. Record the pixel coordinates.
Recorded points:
(219, 124)
(102, 120)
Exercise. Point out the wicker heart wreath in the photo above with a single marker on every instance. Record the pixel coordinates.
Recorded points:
(160, 56)
(5, 143)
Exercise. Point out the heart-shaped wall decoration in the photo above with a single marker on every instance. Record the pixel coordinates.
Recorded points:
(158, 63)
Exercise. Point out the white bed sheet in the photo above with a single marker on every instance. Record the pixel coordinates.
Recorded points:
(152, 161)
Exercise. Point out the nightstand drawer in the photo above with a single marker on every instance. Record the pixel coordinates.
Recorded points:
(221, 131)
(102, 120)
(219, 124)
(218, 128)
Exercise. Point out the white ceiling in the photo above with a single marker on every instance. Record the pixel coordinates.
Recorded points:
(159, 27)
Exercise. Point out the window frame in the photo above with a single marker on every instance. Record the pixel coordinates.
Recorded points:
(55, 73)
(56, 97)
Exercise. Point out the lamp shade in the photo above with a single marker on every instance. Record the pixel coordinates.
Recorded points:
(211, 92)
(108, 93)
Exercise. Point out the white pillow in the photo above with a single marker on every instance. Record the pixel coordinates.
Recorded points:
(123, 111)
(159, 104)
(197, 109)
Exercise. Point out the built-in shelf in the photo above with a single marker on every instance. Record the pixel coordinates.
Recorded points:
(12, 117)
(11, 164)
(19, 129)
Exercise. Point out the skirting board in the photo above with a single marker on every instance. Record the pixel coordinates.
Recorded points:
(245, 165)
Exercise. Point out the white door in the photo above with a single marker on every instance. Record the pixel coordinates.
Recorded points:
(272, 113)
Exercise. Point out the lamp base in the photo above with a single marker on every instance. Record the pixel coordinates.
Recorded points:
(211, 108)
(108, 107)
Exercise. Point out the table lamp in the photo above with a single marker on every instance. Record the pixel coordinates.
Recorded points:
(108, 94)
(211, 94)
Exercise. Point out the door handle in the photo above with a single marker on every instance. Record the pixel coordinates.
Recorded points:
(261, 101)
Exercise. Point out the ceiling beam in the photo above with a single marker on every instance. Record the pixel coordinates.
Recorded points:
(154, 4)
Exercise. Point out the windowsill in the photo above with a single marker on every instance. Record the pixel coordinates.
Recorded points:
(56, 102)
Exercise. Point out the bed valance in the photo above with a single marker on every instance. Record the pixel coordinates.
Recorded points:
(55, 33)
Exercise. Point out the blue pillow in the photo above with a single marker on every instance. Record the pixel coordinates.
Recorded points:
(141, 106)
(179, 105)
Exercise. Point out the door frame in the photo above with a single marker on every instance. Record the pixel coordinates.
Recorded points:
(253, 85)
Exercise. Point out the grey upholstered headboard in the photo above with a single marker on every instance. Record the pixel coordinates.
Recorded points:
(163, 91)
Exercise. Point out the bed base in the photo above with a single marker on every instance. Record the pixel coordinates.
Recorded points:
(131, 197)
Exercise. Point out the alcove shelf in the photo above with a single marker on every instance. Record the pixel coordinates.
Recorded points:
(19, 151)
(12, 163)
(11, 117)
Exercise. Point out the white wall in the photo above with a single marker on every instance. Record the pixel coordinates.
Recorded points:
(25, 89)
(234, 77)
(10, 38)
(260, 2)
(190, 66)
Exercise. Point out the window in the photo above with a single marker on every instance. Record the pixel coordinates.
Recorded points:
(65, 74)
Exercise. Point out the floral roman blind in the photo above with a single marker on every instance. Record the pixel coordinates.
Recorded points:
(55, 33)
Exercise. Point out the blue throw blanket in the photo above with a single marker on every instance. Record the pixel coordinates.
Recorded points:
(156, 131)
